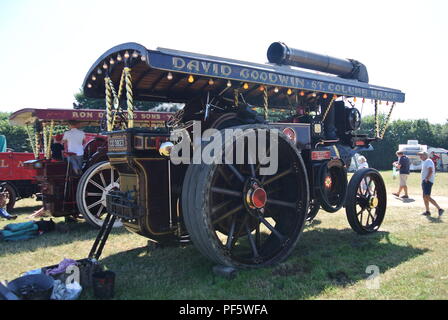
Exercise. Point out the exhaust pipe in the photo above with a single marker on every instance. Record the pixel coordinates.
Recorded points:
(281, 54)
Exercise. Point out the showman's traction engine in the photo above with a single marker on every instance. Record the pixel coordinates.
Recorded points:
(228, 202)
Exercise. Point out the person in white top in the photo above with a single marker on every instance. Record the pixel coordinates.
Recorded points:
(362, 163)
(74, 146)
(428, 177)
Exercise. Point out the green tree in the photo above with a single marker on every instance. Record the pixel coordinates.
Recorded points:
(16, 137)
(399, 132)
(83, 102)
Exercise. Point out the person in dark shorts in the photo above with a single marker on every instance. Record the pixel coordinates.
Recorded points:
(428, 177)
(403, 164)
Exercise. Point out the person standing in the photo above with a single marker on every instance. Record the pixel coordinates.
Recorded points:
(362, 163)
(4, 197)
(428, 177)
(403, 165)
(57, 147)
(73, 140)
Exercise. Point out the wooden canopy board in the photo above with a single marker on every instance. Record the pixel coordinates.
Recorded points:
(88, 117)
(177, 76)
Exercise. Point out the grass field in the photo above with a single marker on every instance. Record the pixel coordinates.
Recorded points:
(329, 262)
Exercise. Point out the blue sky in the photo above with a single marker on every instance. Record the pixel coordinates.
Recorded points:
(47, 46)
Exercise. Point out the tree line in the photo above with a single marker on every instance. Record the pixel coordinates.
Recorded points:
(399, 132)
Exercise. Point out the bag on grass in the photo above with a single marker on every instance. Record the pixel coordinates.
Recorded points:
(20, 231)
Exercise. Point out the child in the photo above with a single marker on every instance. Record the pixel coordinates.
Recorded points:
(4, 196)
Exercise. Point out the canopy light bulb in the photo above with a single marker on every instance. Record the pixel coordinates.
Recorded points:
(276, 90)
(245, 86)
(119, 58)
(314, 95)
(94, 78)
(229, 84)
(325, 96)
(211, 82)
(289, 92)
(169, 76)
(302, 93)
(143, 58)
(111, 61)
(126, 55)
(105, 65)
(135, 54)
(191, 79)
(99, 71)
(354, 99)
(363, 100)
(89, 86)
(261, 88)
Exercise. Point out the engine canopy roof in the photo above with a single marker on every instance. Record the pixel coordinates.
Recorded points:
(178, 76)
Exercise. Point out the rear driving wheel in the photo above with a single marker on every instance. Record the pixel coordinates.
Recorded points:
(93, 187)
(366, 201)
(238, 217)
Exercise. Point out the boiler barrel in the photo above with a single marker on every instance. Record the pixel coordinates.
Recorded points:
(280, 53)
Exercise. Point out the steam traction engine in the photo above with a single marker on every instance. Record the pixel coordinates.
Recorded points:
(234, 213)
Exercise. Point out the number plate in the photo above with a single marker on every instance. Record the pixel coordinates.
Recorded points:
(118, 143)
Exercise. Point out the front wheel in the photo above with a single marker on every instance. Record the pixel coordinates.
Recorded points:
(93, 186)
(366, 201)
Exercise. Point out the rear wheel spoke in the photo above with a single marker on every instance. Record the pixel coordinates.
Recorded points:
(221, 205)
(281, 237)
(228, 192)
(252, 166)
(231, 233)
(258, 236)
(228, 214)
(275, 178)
(252, 242)
(236, 172)
(241, 228)
(224, 176)
(282, 203)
